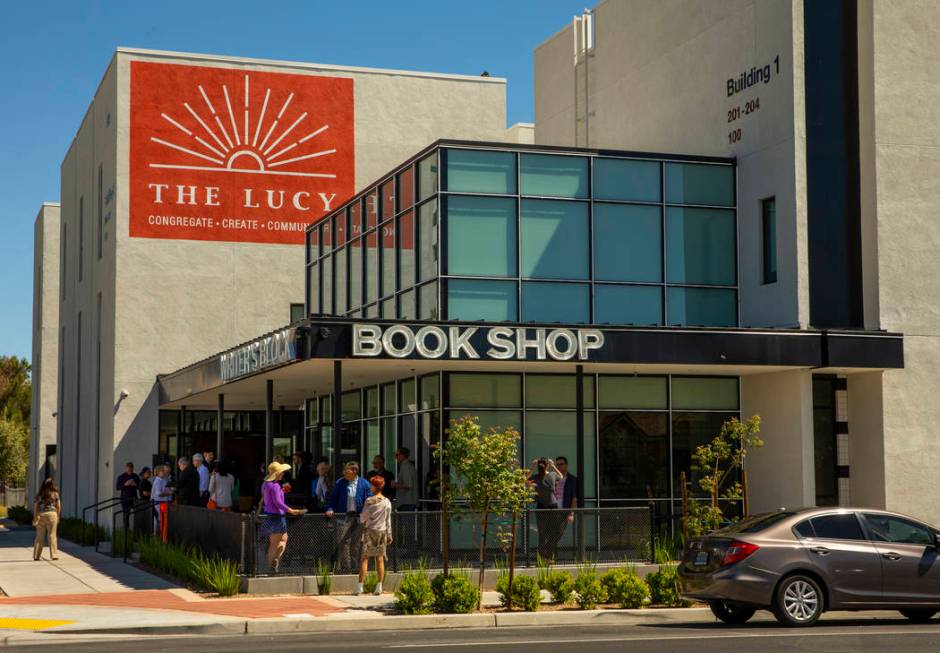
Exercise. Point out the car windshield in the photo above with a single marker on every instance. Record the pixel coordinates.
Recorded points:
(755, 524)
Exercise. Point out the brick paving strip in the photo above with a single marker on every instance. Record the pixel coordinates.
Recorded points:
(186, 601)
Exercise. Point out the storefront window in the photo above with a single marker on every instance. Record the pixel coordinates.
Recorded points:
(427, 241)
(549, 175)
(704, 393)
(481, 236)
(427, 177)
(493, 419)
(633, 450)
(555, 239)
(480, 171)
(550, 391)
(372, 402)
(567, 303)
(388, 399)
(406, 250)
(350, 406)
(623, 179)
(700, 246)
(641, 305)
(406, 397)
(638, 392)
(485, 390)
(373, 441)
(628, 243)
(701, 307)
(489, 301)
(430, 392)
(695, 183)
(689, 431)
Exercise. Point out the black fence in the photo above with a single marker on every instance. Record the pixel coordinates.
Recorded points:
(228, 535)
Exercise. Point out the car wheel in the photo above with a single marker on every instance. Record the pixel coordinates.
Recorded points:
(798, 602)
(731, 613)
(919, 615)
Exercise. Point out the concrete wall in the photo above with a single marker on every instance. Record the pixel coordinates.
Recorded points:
(782, 472)
(906, 143)
(167, 303)
(521, 132)
(45, 355)
(657, 81)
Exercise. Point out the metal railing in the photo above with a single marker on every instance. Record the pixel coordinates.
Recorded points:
(99, 507)
(132, 525)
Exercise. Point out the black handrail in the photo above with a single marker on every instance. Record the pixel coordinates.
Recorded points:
(129, 519)
(110, 501)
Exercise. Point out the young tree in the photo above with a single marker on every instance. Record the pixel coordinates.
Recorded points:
(486, 474)
(14, 452)
(15, 390)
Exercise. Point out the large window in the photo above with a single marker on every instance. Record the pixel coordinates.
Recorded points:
(480, 171)
(547, 175)
(690, 183)
(700, 246)
(566, 303)
(628, 243)
(555, 240)
(623, 179)
(485, 301)
(768, 216)
(481, 236)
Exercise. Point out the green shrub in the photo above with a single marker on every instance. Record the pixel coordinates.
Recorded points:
(559, 584)
(625, 587)
(20, 514)
(524, 592)
(414, 595)
(369, 583)
(588, 589)
(664, 587)
(454, 592)
(324, 577)
(215, 574)
(71, 529)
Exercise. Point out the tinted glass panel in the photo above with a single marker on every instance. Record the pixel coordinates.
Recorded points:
(406, 189)
(691, 430)
(843, 526)
(620, 179)
(628, 243)
(805, 529)
(550, 391)
(633, 451)
(758, 523)
(481, 236)
(372, 209)
(427, 301)
(355, 273)
(628, 304)
(339, 229)
(700, 246)
(555, 239)
(389, 310)
(387, 199)
(490, 419)
(406, 249)
(701, 307)
(372, 266)
(485, 390)
(554, 433)
(350, 404)
(631, 392)
(769, 239)
(388, 399)
(313, 279)
(427, 241)
(489, 301)
(430, 392)
(387, 230)
(341, 277)
(406, 305)
(372, 402)
(704, 393)
(480, 171)
(692, 183)
(549, 175)
(406, 396)
(427, 177)
(567, 303)
(886, 528)
(326, 285)
(355, 220)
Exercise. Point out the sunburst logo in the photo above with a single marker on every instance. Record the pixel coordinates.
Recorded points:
(239, 149)
(232, 154)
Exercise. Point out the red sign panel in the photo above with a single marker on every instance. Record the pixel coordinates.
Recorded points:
(236, 155)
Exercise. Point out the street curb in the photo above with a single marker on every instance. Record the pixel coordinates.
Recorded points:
(340, 623)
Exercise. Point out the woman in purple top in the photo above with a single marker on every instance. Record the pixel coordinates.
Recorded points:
(274, 521)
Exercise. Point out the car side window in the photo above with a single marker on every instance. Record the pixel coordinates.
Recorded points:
(888, 528)
(804, 529)
(841, 526)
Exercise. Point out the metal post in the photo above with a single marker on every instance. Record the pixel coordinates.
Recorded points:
(579, 444)
(337, 416)
(269, 422)
(652, 509)
(220, 426)
(180, 437)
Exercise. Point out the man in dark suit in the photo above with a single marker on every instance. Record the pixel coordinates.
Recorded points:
(566, 494)
(127, 484)
(187, 483)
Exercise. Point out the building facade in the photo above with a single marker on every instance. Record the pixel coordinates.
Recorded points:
(184, 199)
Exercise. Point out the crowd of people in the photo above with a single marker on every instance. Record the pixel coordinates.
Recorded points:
(359, 507)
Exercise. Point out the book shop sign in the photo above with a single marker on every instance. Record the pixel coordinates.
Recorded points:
(467, 342)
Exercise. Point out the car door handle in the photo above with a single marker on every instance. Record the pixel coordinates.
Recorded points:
(820, 550)
(890, 556)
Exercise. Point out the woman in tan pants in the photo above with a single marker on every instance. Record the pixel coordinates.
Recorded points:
(46, 508)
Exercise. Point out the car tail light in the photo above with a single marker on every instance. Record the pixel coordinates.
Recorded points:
(738, 551)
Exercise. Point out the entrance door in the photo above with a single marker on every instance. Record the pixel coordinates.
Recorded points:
(911, 569)
(849, 563)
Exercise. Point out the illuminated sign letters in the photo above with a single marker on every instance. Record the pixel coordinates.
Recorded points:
(460, 342)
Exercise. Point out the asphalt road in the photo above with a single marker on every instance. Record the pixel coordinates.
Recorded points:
(857, 635)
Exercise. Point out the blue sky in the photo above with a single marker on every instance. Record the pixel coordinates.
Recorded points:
(52, 55)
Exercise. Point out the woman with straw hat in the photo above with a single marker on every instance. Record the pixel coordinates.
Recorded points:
(274, 520)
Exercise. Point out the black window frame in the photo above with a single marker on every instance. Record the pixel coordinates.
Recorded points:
(863, 531)
(768, 230)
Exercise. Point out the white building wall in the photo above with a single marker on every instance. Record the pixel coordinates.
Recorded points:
(45, 351)
(167, 303)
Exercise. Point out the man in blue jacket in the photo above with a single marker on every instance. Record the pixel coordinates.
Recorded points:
(345, 503)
